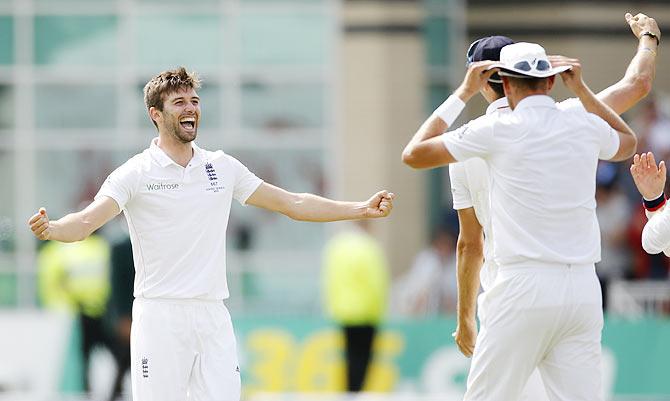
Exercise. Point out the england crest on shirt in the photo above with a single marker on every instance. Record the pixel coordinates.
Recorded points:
(212, 177)
(211, 173)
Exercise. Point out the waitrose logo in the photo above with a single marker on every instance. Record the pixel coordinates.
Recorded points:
(162, 186)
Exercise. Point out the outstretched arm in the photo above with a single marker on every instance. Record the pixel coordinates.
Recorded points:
(425, 149)
(470, 257)
(74, 226)
(310, 207)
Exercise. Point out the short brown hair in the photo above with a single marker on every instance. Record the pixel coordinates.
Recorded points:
(529, 84)
(166, 83)
(497, 88)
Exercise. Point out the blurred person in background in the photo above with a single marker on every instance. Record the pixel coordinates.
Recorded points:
(75, 278)
(428, 288)
(613, 213)
(176, 198)
(119, 309)
(653, 125)
(355, 284)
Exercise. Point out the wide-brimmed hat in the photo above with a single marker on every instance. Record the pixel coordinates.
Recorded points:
(487, 49)
(526, 60)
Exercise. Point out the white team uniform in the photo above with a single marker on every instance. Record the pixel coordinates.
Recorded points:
(543, 308)
(656, 233)
(470, 187)
(182, 341)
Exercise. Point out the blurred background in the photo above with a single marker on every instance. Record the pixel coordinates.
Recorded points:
(314, 96)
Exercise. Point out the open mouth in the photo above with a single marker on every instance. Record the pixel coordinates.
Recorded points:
(187, 123)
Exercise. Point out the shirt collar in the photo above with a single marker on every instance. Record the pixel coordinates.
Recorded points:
(164, 160)
(199, 156)
(535, 101)
(497, 104)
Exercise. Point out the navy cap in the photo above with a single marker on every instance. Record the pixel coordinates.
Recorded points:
(487, 48)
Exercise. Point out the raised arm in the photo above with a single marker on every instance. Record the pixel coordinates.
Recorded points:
(469, 261)
(310, 207)
(627, 139)
(425, 150)
(650, 181)
(637, 82)
(74, 226)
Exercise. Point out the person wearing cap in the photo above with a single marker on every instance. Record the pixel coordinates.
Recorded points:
(470, 179)
(650, 179)
(544, 307)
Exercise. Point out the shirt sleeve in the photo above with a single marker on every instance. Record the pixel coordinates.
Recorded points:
(246, 182)
(656, 233)
(571, 103)
(609, 139)
(121, 184)
(474, 139)
(460, 193)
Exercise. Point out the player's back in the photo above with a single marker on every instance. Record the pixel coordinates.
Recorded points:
(543, 183)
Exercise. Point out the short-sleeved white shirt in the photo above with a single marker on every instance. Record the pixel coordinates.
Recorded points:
(470, 186)
(177, 218)
(542, 161)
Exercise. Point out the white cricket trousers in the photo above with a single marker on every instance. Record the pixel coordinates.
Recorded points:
(183, 350)
(544, 316)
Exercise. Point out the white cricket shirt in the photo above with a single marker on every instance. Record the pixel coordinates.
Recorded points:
(542, 161)
(656, 233)
(177, 218)
(470, 186)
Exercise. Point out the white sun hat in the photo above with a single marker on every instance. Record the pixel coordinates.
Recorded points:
(526, 60)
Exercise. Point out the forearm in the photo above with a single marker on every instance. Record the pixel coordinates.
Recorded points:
(310, 207)
(644, 62)
(441, 119)
(432, 127)
(593, 105)
(70, 228)
(469, 264)
(637, 81)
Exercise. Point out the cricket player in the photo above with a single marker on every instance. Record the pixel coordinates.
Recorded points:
(544, 309)
(470, 179)
(176, 198)
(650, 181)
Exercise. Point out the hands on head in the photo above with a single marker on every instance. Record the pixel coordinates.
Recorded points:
(572, 78)
(380, 204)
(475, 78)
(39, 224)
(649, 177)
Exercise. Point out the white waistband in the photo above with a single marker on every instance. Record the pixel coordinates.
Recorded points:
(539, 265)
(180, 301)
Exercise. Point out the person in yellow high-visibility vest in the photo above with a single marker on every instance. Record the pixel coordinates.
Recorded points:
(356, 291)
(74, 277)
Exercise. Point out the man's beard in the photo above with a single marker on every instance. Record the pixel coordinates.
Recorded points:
(183, 137)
